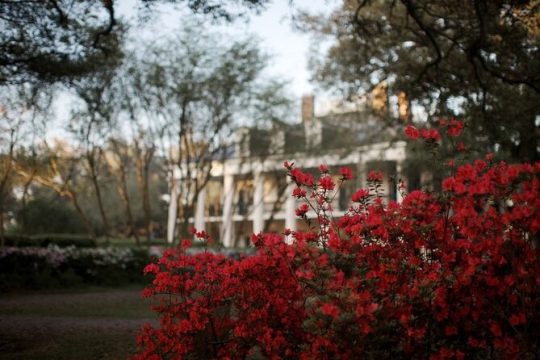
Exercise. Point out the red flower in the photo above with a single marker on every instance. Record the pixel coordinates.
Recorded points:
(495, 329)
(411, 132)
(323, 168)
(298, 193)
(346, 173)
(302, 210)
(185, 243)
(430, 135)
(301, 178)
(375, 176)
(151, 269)
(443, 122)
(448, 184)
(517, 319)
(288, 165)
(326, 183)
(330, 310)
(450, 330)
(454, 128)
(360, 195)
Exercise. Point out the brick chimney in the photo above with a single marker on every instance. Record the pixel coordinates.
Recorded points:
(308, 108)
(404, 106)
(312, 129)
(379, 99)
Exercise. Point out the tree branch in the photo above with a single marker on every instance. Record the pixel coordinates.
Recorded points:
(411, 10)
(108, 4)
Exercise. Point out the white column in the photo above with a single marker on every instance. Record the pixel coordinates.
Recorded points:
(290, 206)
(258, 203)
(199, 210)
(228, 197)
(400, 175)
(171, 214)
(361, 175)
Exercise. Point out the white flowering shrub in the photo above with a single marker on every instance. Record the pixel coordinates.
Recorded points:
(31, 267)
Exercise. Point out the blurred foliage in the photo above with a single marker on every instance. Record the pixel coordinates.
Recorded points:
(478, 60)
(60, 40)
(46, 213)
(53, 267)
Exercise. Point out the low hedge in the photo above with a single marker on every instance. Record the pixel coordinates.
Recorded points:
(44, 240)
(23, 268)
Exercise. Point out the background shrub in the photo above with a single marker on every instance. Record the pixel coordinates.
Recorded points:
(45, 240)
(38, 268)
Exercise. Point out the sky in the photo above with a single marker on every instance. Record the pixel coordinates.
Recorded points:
(289, 48)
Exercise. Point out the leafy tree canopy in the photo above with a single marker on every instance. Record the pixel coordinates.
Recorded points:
(61, 39)
(477, 59)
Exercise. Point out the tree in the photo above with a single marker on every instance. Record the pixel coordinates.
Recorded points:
(20, 110)
(478, 59)
(48, 41)
(194, 91)
(142, 133)
(56, 40)
(27, 158)
(48, 213)
(60, 174)
(120, 166)
(90, 126)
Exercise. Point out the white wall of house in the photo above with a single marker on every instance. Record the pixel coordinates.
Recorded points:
(233, 170)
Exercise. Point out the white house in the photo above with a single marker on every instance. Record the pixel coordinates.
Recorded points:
(249, 192)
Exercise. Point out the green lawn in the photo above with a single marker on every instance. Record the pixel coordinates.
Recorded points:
(97, 323)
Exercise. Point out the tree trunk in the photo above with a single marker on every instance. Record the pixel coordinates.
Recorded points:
(528, 147)
(94, 176)
(143, 165)
(2, 238)
(89, 229)
(4, 185)
(183, 229)
(146, 207)
(3, 196)
(123, 191)
(26, 187)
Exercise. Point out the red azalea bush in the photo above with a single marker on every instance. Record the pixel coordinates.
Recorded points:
(442, 277)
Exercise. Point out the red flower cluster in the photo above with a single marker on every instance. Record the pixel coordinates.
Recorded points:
(346, 173)
(432, 135)
(455, 127)
(323, 168)
(412, 132)
(326, 183)
(301, 178)
(455, 276)
(299, 192)
(302, 210)
(375, 176)
(360, 195)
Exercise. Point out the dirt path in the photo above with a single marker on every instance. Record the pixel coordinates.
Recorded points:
(98, 324)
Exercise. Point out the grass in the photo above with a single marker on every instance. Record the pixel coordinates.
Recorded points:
(97, 323)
